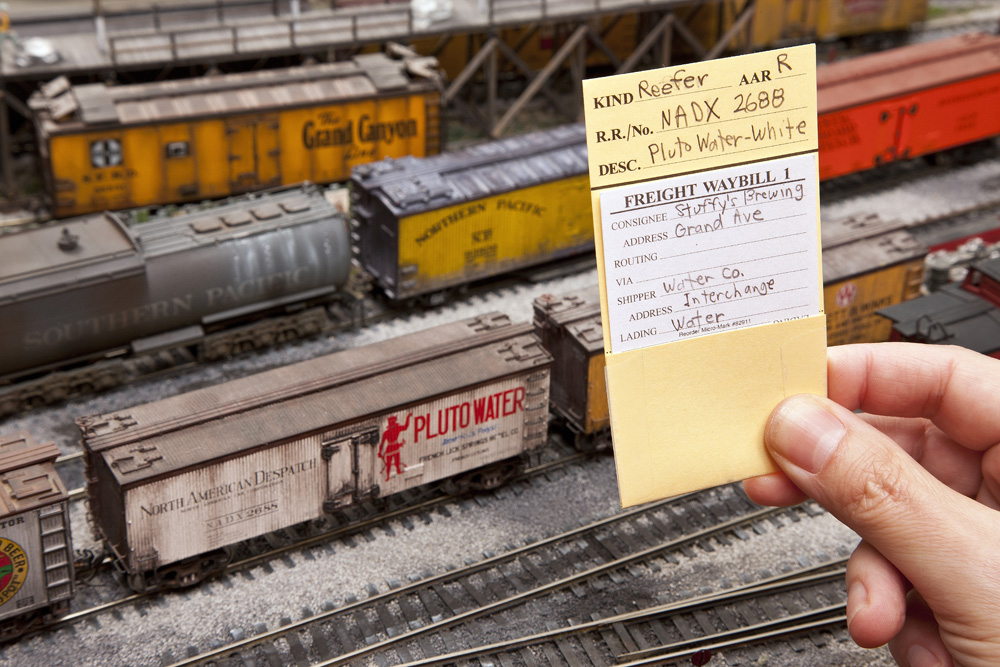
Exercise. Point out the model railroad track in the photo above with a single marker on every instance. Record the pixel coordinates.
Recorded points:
(439, 614)
(343, 525)
(797, 607)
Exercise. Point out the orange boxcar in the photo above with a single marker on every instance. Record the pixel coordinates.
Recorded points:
(907, 102)
(113, 147)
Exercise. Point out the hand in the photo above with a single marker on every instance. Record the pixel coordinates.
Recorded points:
(920, 484)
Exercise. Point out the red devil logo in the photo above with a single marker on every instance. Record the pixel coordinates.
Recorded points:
(388, 449)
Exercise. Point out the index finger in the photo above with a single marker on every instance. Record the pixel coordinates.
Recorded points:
(954, 387)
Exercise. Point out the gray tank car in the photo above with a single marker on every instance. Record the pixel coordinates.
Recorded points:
(36, 552)
(94, 287)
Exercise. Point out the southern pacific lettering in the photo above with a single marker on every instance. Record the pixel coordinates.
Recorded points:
(129, 318)
(449, 219)
(469, 413)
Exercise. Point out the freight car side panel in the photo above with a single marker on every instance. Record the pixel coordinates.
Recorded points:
(182, 515)
(124, 167)
(35, 560)
(853, 140)
(597, 395)
(782, 21)
(908, 126)
(81, 322)
(221, 503)
(776, 21)
(460, 432)
(850, 304)
(324, 144)
(180, 168)
(953, 115)
(844, 18)
(89, 172)
(536, 45)
(481, 238)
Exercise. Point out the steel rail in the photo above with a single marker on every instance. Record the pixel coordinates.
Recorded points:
(819, 573)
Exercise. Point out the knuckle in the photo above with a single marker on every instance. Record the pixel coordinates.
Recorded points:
(879, 489)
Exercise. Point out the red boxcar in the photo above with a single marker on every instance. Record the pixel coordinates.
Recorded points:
(907, 102)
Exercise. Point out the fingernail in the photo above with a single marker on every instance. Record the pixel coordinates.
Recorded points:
(804, 433)
(919, 656)
(857, 599)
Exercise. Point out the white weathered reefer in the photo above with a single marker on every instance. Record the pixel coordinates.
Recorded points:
(173, 483)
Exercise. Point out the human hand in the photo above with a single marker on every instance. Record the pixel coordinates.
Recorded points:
(918, 478)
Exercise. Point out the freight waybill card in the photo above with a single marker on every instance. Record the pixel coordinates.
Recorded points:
(704, 185)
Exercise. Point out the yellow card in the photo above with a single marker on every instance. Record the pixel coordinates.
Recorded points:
(704, 184)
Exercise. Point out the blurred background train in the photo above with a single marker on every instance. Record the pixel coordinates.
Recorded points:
(113, 147)
(278, 264)
(421, 228)
(120, 146)
(839, 24)
(964, 312)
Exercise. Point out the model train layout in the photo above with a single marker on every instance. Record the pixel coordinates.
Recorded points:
(965, 313)
(177, 487)
(217, 136)
(174, 485)
(423, 227)
(834, 23)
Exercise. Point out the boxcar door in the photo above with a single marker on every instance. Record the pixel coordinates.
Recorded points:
(894, 134)
(253, 153)
(268, 151)
(180, 172)
(342, 456)
(242, 137)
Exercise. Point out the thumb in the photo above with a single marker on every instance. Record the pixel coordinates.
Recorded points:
(868, 482)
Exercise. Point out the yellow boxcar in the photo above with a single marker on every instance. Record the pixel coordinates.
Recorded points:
(776, 22)
(424, 226)
(868, 264)
(111, 147)
(536, 44)
(569, 327)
